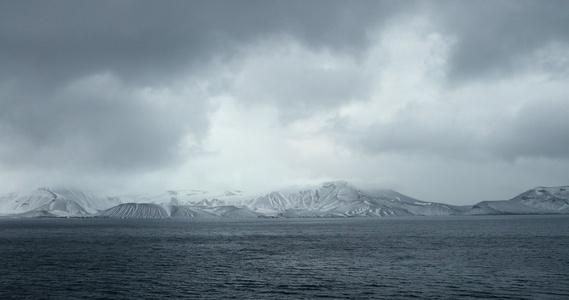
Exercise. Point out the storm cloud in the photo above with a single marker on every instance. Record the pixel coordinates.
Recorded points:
(410, 95)
(497, 38)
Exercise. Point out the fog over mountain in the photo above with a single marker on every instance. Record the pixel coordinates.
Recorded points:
(451, 101)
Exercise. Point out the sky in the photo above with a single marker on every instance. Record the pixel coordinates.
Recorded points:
(447, 101)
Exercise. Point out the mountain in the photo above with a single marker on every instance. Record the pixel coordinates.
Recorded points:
(135, 211)
(341, 199)
(331, 199)
(57, 202)
(187, 212)
(539, 200)
(233, 212)
(156, 211)
(180, 204)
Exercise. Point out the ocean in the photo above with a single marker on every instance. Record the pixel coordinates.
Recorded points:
(489, 257)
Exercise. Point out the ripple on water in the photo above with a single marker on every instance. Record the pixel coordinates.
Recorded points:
(426, 258)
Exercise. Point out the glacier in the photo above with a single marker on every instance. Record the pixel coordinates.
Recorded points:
(331, 199)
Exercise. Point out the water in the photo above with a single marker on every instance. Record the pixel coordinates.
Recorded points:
(504, 257)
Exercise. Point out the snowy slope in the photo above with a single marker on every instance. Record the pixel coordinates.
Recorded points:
(233, 212)
(135, 211)
(156, 211)
(59, 202)
(501, 208)
(539, 200)
(340, 199)
(545, 199)
(331, 199)
(188, 212)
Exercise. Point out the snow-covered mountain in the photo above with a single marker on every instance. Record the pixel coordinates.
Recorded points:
(181, 204)
(539, 200)
(187, 212)
(62, 202)
(331, 199)
(341, 199)
(135, 211)
(156, 211)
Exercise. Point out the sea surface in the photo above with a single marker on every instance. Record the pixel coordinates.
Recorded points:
(490, 257)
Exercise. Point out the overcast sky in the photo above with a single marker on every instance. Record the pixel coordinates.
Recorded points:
(448, 101)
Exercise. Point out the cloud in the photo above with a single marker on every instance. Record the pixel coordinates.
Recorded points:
(505, 120)
(495, 37)
(412, 109)
(224, 94)
(296, 79)
(96, 124)
(149, 42)
(126, 87)
(539, 129)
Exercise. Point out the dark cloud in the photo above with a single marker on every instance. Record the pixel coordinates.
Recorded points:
(95, 125)
(298, 81)
(149, 40)
(126, 87)
(493, 38)
(412, 134)
(538, 130)
(48, 45)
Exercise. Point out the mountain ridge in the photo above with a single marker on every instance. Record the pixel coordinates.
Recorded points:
(331, 199)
